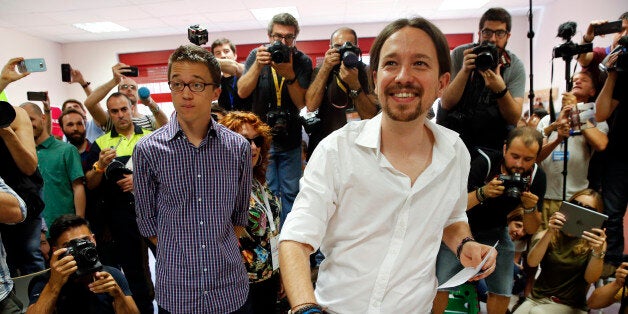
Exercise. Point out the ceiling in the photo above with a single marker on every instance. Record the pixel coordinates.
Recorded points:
(53, 19)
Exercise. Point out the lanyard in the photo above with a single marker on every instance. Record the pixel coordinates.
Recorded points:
(278, 86)
(266, 206)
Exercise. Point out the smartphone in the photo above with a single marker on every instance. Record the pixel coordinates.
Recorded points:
(133, 71)
(607, 28)
(66, 73)
(36, 96)
(32, 65)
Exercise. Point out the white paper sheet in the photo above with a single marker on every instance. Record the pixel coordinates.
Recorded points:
(467, 273)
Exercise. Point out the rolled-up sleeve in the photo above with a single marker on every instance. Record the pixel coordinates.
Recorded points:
(7, 189)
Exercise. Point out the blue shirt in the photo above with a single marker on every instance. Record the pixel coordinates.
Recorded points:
(6, 284)
(191, 198)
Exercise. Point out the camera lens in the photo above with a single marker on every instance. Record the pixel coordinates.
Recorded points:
(350, 59)
(484, 61)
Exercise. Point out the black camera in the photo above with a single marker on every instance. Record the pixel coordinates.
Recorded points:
(7, 114)
(350, 55)
(278, 122)
(569, 49)
(85, 255)
(487, 56)
(513, 184)
(116, 170)
(279, 52)
(621, 65)
(310, 122)
(197, 35)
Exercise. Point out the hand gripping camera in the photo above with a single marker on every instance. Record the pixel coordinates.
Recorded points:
(513, 184)
(85, 255)
(621, 65)
(487, 56)
(279, 52)
(116, 170)
(350, 55)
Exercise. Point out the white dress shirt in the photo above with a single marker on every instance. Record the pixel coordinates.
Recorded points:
(379, 233)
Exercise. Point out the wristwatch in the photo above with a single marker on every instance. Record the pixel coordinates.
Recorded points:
(97, 169)
(354, 93)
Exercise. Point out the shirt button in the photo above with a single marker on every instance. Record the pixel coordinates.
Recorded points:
(204, 269)
(200, 199)
(203, 246)
(201, 222)
(205, 292)
(199, 175)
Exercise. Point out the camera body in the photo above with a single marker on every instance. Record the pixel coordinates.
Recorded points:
(513, 184)
(621, 65)
(197, 35)
(278, 122)
(116, 170)
(310, 121)
(279, 52)
(350, 54)
(487, 56)
(85, 255)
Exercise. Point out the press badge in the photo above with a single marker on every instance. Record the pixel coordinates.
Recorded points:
(559, 155)
(274, 248)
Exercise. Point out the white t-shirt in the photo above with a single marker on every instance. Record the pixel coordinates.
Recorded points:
(379, 234)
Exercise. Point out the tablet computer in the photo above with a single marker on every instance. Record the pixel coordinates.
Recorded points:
(579, 219)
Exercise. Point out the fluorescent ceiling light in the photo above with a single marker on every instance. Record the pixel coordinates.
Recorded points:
(266, 14)
(101, 27)
(452, 5)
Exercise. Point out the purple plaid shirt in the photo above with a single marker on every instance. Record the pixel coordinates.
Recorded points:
(190, 198)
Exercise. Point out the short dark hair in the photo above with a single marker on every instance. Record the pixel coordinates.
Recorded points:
(624, 16)
(63, 224)
(285, 19)
(196, 54)
(118, 95)
(497, 14)
(67, 112)
(343, 29)
(438, 38)
(222, 41)
(71, 100)
(528, 135)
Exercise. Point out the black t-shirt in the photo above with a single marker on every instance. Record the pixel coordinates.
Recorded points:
(264, 99)
(618, 122)
(229, 99)
(76, 297)
(493, 211)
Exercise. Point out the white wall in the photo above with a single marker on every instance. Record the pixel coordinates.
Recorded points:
(95, 59)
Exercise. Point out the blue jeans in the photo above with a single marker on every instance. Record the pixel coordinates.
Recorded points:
(615, 194)
(21, 242)
(283, 174)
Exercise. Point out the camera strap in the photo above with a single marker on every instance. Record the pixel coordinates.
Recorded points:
(266, 206)
(278, 86)
(342, 87)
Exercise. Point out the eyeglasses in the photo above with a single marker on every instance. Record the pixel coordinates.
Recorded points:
(583, 205)
(488, 33)
(197, 87)
(127, 86)
(258, 140)
(288, 38)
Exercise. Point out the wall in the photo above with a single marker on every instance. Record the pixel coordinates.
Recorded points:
(95, 59)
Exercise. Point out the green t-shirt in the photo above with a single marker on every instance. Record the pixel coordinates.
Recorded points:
(562, 274)
(60, 165)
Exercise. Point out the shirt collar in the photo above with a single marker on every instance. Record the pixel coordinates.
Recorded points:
(136, 129)
(173, 128)
(48, 142)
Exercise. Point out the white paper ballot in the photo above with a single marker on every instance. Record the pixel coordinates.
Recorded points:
(467, 273)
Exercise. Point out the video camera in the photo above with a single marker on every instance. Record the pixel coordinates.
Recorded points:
(350, 55)
(197, 35)
(7, 114)
(85, 255)
(621, 65)
(569, 48)
(513, 184)
(279, 52)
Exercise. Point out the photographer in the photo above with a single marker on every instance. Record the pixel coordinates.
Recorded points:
(231, 70)
(339, 84)
(614, 291)
(101, 289)
(612, 106)
(499, 183)
(581, 145)
(484, 101)
(276, 77)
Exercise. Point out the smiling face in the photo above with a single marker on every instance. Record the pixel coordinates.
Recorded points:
(515, 229)
(193, 106)
(407, 77)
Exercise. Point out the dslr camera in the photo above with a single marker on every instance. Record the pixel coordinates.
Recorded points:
(116, 170)
(278, 122)
(310, 121)
(197, 35)
(513, 184)
(350, 55)
(487, 56)
(85, 255)
(279, 52)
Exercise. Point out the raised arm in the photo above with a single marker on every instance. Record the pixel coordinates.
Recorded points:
(453, 92)
(254, 65)
(92, 103)
(316, 91)
(605, 104)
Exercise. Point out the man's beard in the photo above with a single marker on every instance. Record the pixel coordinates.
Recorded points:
(77, 139)
(405, 116)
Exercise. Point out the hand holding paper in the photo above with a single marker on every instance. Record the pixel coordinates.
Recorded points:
(471, 253)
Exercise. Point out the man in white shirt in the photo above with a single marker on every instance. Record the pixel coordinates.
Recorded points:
(378, 195)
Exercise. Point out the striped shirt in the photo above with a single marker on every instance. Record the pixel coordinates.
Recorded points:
(191, 198)
(6, 284)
